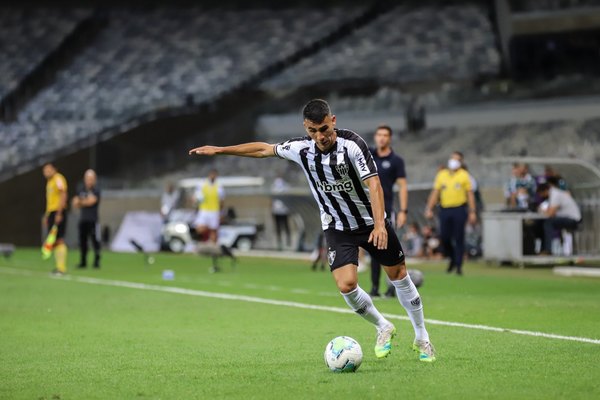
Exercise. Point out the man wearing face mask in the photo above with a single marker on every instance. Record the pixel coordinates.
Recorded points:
(452, 188)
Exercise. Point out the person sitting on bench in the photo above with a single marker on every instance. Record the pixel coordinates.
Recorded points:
(560, 208)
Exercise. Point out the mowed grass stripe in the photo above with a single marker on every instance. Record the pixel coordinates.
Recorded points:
(283, 303)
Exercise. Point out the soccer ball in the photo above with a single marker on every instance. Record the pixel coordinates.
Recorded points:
(416, 276)
(343, 354)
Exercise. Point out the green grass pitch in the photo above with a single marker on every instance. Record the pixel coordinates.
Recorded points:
(68, 339)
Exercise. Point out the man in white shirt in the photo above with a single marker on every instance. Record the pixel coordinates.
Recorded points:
(168, 200)
(562, 211)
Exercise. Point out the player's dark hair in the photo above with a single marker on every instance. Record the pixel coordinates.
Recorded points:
(553, 181)
(49, 164)
(316, 110)
(460, 154)
(542, 187)
(386, 127)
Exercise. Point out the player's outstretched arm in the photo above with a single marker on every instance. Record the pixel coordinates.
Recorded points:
(253, 149)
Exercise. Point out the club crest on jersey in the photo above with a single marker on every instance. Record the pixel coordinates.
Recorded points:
(342, 169)
(326, 218)
(331, 256)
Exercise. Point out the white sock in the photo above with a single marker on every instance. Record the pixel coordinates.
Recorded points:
(411, 301)
(361, 303)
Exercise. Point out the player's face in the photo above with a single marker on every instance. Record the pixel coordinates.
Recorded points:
(322, 133)
(89, 179)
(48, 171)
(383, 139)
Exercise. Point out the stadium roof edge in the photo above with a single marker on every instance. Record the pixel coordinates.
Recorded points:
(586, 174)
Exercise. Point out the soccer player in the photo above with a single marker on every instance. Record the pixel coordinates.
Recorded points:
(88, 200)
(343, 179)
(210, 196)
(56, 202)
(390, 168)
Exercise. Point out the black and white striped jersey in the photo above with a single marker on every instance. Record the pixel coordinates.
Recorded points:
(336, 178)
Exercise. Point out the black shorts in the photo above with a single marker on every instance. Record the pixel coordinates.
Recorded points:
(343, 247)
(60, 234)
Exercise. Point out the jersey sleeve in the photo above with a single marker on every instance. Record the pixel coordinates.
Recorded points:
(290, 149)
(437, 182)
(221, 192)
(554, 199)
(400, 170)
(361, 157)
(467, 181)
(61, 183)
(474, 184)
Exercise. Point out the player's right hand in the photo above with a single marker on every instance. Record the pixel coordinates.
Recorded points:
(204, 151)
(379, 237)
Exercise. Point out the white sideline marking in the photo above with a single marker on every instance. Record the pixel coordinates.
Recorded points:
(577, 271)
(251, 299)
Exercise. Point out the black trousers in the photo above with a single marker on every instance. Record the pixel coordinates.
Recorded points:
(452, 233)
(282, 225)
(88, 231)
(554, 224)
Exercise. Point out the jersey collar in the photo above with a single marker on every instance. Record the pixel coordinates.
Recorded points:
(332, 149)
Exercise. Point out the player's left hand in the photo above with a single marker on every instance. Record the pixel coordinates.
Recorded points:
(58, 217)
(379, 237)
(204, 150)
(400, 219)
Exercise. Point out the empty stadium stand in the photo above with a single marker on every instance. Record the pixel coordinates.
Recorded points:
(152, 60)
(400, 46)
(27, 35)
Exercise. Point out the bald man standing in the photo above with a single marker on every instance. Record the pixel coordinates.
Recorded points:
(88, 199)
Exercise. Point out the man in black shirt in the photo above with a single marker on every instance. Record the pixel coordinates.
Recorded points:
(87, 199)
(391, 171)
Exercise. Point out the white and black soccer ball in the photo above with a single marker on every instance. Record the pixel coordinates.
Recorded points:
(343, 354)
(416, 276)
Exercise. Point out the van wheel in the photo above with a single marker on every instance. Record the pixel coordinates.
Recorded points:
(243, 243)
(176, 245)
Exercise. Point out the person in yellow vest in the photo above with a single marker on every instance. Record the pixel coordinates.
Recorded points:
(210, 197)
(452, 188)
(56, 215)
